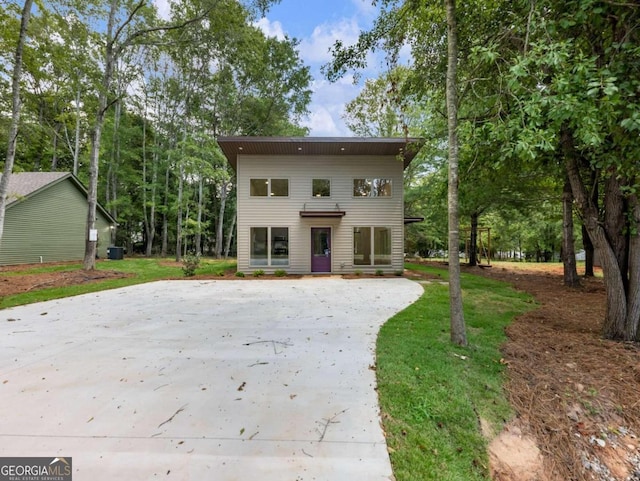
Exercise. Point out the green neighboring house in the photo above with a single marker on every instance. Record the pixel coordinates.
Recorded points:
(46, 217)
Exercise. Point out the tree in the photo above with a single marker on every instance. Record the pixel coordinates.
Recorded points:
(575, 92)
(374, 113)
(418, 21)
(458, 330)
(15, 112)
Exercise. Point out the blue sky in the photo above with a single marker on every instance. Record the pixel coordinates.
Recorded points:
(318, 24)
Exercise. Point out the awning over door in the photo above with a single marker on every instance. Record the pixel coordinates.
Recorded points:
(322, 212)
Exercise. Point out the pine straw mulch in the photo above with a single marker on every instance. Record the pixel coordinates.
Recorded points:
(577, 394)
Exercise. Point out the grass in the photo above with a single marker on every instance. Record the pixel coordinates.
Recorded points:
(433, 393)
(140, 271)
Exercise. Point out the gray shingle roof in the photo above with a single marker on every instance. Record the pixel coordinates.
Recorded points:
(23, 184)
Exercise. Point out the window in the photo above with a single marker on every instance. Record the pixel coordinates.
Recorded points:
(269, 187)
(321, 188)
(259, 253)
(372, 246)
(279, 187)
(279, 246)
(269, 246)
(362, 246)
(372, 187)
(382, 246)
(259, 187)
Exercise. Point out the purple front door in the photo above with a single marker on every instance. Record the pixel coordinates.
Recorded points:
(321, 249)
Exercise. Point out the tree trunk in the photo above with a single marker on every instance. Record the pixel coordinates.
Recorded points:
(615, 223)
(15, 113)
(179, 215)
(114, 207)
(91, 242)
(588, 253)
(165, 219)
(112, 176)
(220, 224)
(230, 236)
(571, 278)
(473, 240)
(39, 155)
(76, 147)
(54, 156)
(198, 242)
(458, 329)
(614, 325)
(149, 215)
(633, 298)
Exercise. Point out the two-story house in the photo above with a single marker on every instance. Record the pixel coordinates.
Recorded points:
(319, 205)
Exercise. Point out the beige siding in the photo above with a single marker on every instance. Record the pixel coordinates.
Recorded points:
(49, 227)
(285, 212)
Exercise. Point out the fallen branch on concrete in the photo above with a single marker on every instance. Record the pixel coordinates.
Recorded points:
(326, 422)
(173, 416)
(273, 342)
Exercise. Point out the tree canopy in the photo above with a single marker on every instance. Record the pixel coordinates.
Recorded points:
(547, 110)
(133, 103)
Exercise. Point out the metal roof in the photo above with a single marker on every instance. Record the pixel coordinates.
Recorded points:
(336, 146)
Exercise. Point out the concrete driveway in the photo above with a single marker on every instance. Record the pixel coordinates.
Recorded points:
(209, 380)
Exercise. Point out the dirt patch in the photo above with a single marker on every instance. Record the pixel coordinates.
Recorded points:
(18, 284)
(514, 455)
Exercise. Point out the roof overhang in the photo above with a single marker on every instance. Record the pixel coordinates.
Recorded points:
(412, 220)
(406, 148)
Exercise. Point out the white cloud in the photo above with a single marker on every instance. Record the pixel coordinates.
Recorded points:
(270, 29)
(366, 8)
(316, 48)
(327, 107)
(321, 123)
(164, 8)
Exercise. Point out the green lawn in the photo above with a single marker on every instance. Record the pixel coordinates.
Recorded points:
(432, 393)
(140, 269)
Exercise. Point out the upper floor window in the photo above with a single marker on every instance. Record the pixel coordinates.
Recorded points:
(321, 188)
(269, 187)
(372, 187)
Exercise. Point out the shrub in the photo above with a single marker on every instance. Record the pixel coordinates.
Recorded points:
(258, 273)
(357, 272)
(379, 272)
(239, 274)
(280, 273)
(190, 263)
(399, 273)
